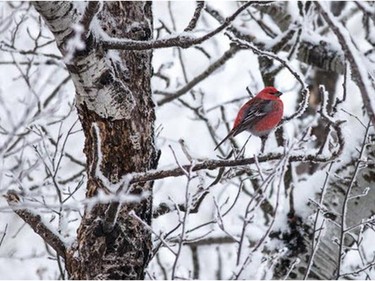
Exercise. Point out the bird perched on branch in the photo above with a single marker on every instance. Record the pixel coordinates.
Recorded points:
(259, 115)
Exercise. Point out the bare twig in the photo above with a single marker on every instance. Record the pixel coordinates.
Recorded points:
(183, 219)
(4, 233)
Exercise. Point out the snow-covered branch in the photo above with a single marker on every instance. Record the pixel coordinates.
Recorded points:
(36, 223)
(184, 40)
(215, 164)
(322, 54)
(358, 64)
(206, 73)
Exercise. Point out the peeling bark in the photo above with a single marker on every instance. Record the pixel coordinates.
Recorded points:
(113, 93)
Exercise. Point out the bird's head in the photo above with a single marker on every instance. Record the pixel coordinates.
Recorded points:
(269, 93)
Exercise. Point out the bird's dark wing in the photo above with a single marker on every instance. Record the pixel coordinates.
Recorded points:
(256, 111)
(249, 114)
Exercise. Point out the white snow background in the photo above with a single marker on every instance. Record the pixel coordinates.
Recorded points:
(24, 255)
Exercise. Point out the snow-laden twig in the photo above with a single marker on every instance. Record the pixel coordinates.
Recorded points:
(184, 40)
(355, 272)
(360, 73)
(345, 202)
(316, 239)
(199, 78)
(197, 13)
(307, 51)
(247, 45)
(37, 224)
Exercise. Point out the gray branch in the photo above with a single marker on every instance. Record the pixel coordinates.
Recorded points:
(215, 164)
(36, 223)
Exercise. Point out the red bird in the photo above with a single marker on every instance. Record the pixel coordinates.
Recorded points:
(259, 115)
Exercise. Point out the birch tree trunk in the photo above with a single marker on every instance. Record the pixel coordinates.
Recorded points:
(113, 99)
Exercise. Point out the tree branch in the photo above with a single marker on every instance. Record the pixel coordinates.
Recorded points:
(194, 19)
(323, 55)
(359, 73)
(206, 73)
(36, 223)
(214, 164)
(183, 41)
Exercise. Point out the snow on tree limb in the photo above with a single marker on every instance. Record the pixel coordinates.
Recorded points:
(320, 54)
(358, 66)
(214, 164)
(36, 223)
(184, 40)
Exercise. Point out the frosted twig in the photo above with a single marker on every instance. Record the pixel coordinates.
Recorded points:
(197, 14)
(36, 223)
(134, 215)
(182, 40)
(184, 220)
(346, 199)
(220, 221)
(296, 261)
(308, 52)
(282, 174)
(206, 73)
(259, 168)
(256, 50)
(316, 239)
(359, 72)
(259, 198)
(215, 164)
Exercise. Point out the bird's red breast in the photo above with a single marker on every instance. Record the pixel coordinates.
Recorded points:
(260, 114)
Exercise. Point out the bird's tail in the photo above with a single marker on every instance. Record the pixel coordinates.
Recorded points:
(228, 136)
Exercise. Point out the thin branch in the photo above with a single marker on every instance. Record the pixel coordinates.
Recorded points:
(372, 264)
(36, 223)
(346, 199)
(247, 45)
(206, 73)
(181, 40)
(4, 233)
(316, 239)
(214, 164)
(197, 13)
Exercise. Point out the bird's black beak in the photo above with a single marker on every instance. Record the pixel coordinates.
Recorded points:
(278, 94)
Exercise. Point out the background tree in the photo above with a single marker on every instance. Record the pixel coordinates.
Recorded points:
(151, 86)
